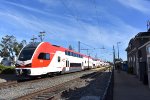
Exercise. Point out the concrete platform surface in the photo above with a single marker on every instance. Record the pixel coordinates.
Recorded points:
(128, 87)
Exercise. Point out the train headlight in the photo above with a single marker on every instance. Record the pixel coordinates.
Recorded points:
(28, 65)
(17, 65)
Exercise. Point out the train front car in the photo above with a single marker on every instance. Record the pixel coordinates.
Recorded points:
(32, 59)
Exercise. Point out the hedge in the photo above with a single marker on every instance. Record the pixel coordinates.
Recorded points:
(7, 69)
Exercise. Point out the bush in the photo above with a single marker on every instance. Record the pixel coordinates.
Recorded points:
(7, 69)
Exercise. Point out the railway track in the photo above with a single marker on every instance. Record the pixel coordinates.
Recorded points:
(56, 91)
(7, 84)
(45, 88)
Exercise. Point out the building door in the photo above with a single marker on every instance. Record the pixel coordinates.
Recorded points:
(148, 63)
(137, 65)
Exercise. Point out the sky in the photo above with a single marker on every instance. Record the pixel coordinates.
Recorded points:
(95, 23)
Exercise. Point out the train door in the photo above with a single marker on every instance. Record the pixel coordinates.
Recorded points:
(148, 63)
(67, 65)
(60, 62)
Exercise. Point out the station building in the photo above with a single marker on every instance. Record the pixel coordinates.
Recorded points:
(137, 53)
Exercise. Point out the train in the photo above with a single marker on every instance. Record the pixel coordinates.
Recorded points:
(41, 58)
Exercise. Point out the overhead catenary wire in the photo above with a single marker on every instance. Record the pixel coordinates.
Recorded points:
(73, 14)
(98, 21)
(97, 17)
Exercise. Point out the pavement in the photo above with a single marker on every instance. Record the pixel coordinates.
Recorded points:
(128, 87)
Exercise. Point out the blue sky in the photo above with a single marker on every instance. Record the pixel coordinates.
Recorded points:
(97, 23)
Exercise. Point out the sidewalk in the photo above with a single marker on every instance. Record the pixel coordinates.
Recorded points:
(128, 87)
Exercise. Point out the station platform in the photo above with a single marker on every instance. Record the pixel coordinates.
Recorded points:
(128, 87)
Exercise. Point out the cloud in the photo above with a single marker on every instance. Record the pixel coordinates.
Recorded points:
(27, 8)
(140, 5)
(65, 30)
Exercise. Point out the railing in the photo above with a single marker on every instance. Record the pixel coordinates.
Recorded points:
(108, 94)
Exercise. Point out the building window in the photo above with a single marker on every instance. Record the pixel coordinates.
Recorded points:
(139, 54)
(148, 50)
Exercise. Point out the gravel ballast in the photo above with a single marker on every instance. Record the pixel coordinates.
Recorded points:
(23, 89)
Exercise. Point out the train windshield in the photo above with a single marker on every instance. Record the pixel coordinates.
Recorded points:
(27, 52)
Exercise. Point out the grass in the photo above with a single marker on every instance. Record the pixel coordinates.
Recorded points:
(7, 69)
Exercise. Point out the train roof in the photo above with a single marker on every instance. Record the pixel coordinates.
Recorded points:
(35, 44)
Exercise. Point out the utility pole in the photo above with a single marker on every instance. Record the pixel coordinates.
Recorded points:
(114, 54)
(148, 25)
(118, 48)
(88, 61)
(42, 34)
(33, 39)
(79, 46)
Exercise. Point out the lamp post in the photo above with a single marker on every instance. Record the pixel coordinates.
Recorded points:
(118, 48)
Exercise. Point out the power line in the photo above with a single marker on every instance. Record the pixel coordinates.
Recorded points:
(73, 14)
(87, 44)
(97, 18)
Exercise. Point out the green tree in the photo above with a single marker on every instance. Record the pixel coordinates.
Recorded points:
(7, 44)
(70, 47)
(10, 47)
(19, 46)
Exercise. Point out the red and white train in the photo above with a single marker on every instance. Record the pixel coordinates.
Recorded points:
(44, 58)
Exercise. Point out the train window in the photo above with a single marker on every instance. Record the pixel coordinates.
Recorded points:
(66, 63)
(44, 56)
(85, 61)
(65, 52)
(68, 53)
(74, 54)
(26, 54)
(75, 64)
(47, 56)
(59, 58)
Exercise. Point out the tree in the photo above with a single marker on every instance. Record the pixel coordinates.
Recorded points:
(10, 47)
(70, 47)
(7, 45)
(18, 46)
